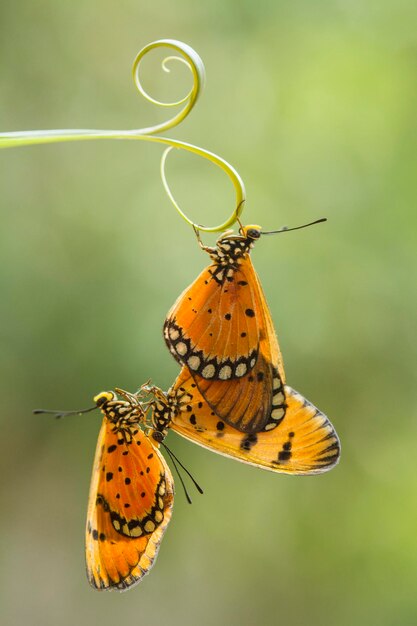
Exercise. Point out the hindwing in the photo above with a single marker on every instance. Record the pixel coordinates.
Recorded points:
(304, 442)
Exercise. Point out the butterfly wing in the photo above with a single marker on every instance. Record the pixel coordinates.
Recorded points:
(305, 441)
(130, 505)
(268, 339)
(221, 328)
(251, 403)
(213, 326)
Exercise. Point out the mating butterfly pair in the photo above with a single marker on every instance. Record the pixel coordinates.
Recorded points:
(230, 397)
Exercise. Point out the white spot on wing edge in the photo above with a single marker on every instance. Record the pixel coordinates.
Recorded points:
(277, 413)
(241, 369)
(225, 372)
(173, 333)
(278, 398)
(208, 371)
(194, 362)
(181, 348)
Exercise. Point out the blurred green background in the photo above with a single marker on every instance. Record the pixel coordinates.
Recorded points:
(314, 104)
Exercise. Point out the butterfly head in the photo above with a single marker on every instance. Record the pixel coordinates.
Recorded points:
(232, 249)
(104, 397)
(251, 231)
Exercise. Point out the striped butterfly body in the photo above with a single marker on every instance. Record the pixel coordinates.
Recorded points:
(131, 496)
(304, 442)
(221, 329)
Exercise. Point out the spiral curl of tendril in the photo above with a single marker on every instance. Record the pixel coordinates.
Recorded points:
(193, 61)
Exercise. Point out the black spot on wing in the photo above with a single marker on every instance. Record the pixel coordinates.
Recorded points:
(248, 442)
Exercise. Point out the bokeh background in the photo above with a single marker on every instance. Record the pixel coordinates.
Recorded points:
(314, 104)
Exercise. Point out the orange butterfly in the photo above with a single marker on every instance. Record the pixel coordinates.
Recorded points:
(131, 496)
(305, 441)
(221, 329)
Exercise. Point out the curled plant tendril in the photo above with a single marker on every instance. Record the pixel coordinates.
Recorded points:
(192, 60)
(226, 167)
(191, 96)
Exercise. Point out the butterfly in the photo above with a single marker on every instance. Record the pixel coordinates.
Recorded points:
(132, 490)
(220, 327)
(305, 442)
(131, 495)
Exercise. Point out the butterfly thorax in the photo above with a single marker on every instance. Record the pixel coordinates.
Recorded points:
(168, 406)
(230, 251)
(164, 409)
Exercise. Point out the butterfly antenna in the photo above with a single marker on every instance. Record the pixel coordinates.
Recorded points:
(187, 495)
(197, 486)
(174, 459)
(285, 229)
(59, 414)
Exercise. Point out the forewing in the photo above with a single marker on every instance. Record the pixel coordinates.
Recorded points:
(130, 505)
(221, 329)
(305, 441)
(213, 326)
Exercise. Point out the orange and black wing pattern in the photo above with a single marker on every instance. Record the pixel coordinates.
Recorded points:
(252, 403)
(305, 441)
(221, 329)
(130, 502)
